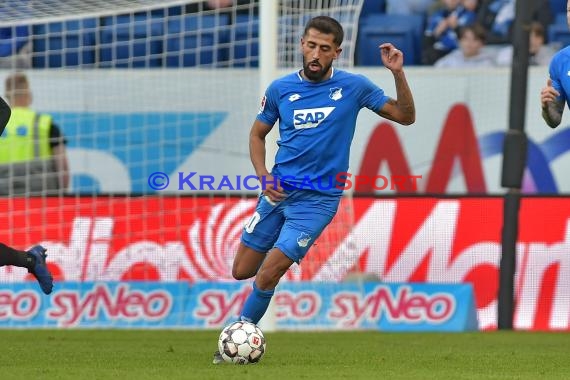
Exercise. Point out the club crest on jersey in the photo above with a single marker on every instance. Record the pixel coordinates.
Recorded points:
(303, 240)
(336, 93)
(310, 118)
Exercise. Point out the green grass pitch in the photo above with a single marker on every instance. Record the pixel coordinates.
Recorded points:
(186, 354)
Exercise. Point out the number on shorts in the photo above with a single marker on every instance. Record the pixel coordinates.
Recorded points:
(250, 225)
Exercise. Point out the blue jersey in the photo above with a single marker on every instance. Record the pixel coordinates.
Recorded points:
(560, 73)
(316, 126)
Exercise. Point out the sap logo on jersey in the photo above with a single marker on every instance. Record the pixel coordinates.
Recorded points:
(310, 118)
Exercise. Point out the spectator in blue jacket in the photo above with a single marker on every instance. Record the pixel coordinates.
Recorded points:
(497, 16)
(440, 36)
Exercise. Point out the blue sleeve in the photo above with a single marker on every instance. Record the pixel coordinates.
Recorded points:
(269, 109)
(467, 18)
(371, 96)
(433, 21)
(554, 72)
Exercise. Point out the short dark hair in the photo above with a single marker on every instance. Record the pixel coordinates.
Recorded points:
(477, 29)
(537, 29)
(16, 81)
(327, 25)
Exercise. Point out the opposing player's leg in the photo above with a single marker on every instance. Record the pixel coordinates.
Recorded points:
(17, 258)
(40, 269)
(34, 260)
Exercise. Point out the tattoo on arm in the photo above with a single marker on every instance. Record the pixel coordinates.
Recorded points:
(552, 114)
(391, 102)
(405, 100)
(402, 109)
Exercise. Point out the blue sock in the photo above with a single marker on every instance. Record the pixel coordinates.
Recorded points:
(256, 304)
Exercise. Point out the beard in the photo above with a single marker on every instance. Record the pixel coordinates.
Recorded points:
(315, 76)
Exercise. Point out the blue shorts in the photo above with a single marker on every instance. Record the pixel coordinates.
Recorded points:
(291, 225)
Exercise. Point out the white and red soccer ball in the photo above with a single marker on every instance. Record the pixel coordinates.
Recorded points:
(241, 343)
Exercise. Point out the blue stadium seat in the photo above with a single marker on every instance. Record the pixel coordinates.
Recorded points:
(174, 11)
(64, 44)
(197, 40)
(372, 6)
(403, 31)
(557, 6)
(559, 34)
(13, 39)
(414, 22)
(244, 37)
(131, 41)
(371, 37)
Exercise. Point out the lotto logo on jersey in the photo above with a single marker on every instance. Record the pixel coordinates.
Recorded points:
(310, 118)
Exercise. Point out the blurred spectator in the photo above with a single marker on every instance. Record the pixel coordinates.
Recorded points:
(409, 6)
(33, 158)
(214, 4)
(440, 36)
(540, 53)
(471, 51)
(497, 17)
(542, 13)
(15, 48)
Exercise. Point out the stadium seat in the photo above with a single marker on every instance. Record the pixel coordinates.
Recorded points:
(404, 31)
(174, 11)
(414, 22)
(64, 44)
(197, 40)
(131, 41)
(557, 6)
(244, 37)
(559, 34)
(13, 39)
(372, 6)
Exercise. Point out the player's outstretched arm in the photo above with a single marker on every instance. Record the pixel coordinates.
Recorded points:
(401, 110)
(5, 113)
(552, 106)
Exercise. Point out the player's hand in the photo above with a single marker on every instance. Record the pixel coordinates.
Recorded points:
(392, 58)
(548, 94)
(271, 188)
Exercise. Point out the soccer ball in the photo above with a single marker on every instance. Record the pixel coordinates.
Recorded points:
(241, 343)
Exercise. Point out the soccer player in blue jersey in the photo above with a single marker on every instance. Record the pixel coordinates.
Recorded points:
(317, 108)
(556, 93)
